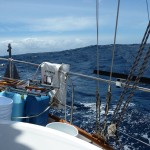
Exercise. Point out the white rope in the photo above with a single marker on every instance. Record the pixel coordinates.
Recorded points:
(33, 77)
(72, 103)
(134, 138)
(33, 116)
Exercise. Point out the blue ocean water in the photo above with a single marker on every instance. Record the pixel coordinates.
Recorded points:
(136, 121)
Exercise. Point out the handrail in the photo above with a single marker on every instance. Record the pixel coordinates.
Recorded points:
(80, 75)
(104, 80)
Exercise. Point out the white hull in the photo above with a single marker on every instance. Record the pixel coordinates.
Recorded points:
(25, 136)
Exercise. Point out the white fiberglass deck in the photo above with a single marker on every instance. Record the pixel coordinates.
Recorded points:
(24, 136)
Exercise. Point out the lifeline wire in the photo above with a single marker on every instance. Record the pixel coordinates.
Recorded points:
(134, 138)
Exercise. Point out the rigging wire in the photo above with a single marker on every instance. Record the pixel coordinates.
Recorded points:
(113, 51)
(119, 112)
(147, 10)
(98, 101)
(141, 71)
(108, 98)
(132, 70)
(97, 38)
(135, 64)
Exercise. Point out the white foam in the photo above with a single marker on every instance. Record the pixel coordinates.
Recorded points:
(126, 147)
(146, 137)
(93, 107)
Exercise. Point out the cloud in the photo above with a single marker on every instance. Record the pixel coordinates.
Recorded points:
(59, 43)
(53, 24)
(33, 45)
(69, 23)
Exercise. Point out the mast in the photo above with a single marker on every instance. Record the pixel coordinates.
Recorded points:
(11, 70)
(9, 50)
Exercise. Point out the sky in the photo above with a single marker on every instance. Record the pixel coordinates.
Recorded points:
(54, 25)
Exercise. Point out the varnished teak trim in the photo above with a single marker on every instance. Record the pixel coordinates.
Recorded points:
(92, 138)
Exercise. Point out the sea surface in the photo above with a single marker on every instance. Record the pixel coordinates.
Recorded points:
(136, 121)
